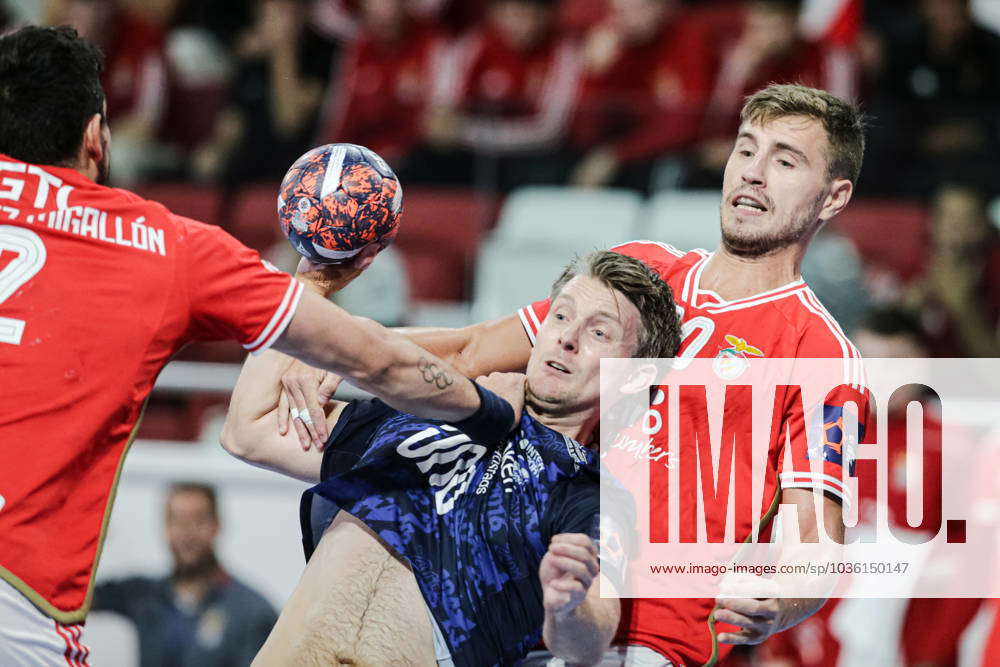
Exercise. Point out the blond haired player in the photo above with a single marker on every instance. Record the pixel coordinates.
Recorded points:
(793, 167)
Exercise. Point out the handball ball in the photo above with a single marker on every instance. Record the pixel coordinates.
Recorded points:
(338, 199)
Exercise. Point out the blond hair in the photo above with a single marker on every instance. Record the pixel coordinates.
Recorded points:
(660, 333)
(844, 122)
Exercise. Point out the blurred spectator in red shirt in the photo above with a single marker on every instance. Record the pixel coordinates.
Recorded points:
(270, 118)
(937, 112)
(959, 292)
(134, 79)
(506, 103)
(766, 49)
(385, 81)
(647, 74)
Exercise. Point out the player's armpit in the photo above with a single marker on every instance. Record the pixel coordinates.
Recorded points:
(479, 349)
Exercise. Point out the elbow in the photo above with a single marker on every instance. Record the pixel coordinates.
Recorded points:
(374, 377)
(235, 441)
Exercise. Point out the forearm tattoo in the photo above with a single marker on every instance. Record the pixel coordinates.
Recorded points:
(434, 374)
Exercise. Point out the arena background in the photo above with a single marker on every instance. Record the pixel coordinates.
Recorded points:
(521, 136)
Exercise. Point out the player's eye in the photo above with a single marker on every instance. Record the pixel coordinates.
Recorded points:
(600, 333)
(786, 164)
(746, 153)
(560, 317)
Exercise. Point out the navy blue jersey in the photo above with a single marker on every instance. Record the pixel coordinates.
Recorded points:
(473, 520)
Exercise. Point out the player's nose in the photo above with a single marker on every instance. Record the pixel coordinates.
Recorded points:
(753, 172)
(569, 337)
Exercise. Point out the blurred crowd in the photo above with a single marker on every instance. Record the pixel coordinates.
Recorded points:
(486, 96)
(491, 95)
(501, 93)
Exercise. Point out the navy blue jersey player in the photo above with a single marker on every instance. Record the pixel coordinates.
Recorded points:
(473, 518)
(461, 542)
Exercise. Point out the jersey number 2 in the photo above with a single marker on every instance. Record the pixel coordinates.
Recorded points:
(28, 260)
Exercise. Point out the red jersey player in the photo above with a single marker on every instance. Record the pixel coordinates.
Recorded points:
(98, 288)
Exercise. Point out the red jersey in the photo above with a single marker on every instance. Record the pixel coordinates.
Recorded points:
(649, 99)
(786, 322)
(383, 91)
(513, 100)
(98, 288)
(135, 73)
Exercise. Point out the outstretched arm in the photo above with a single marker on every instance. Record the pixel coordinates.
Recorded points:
(375, 359)
(579, 623)
(479, 349)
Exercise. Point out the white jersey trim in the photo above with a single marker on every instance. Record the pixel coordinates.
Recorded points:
(673, 250)
(692, 291)
(279, 321)
(689, 280)
(523, 313)
(814, 476)
(844, 495)
(853, 374)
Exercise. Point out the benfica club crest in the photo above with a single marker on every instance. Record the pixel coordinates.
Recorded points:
(731, 362)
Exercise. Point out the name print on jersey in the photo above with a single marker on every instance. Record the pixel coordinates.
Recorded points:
(80, 220)
(87, 221)
(455, 455)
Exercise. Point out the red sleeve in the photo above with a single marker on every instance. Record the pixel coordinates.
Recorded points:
(820, 436)
(532, 317)
(232, 293)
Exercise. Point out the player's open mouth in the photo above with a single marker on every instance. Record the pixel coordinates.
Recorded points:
(747, 203)
(557, 366)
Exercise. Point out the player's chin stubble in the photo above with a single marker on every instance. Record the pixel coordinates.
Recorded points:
(544, 405)
(759, 245)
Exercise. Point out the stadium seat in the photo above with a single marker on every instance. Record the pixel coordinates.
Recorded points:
(438, 238)
(569, 220)
(510, 277)
(254, 218)
(200, 202)
(686, 219)
(887, 233)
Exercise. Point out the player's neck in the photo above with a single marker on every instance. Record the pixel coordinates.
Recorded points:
(579, 426)
(733, 277)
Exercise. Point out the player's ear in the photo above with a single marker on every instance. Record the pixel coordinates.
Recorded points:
(840, 193)
(93, 146)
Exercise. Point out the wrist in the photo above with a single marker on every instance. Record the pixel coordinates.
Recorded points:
(323, 288)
